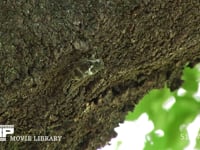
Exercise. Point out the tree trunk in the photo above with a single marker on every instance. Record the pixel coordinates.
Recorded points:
(74, 68)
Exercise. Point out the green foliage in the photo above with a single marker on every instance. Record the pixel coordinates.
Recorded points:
(191, 77)
(172, 120)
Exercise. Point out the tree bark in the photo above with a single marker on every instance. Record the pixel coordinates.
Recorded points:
(74, 68)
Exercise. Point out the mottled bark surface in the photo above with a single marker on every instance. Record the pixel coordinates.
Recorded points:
(74, 68)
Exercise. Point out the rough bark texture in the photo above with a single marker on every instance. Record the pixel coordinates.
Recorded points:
(74, 68)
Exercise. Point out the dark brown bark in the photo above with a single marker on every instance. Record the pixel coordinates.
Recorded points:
(74, 68)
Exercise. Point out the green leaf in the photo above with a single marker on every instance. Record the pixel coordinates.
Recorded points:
(170, 121)
(191, 76)
(151, 104)
(198, 141)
